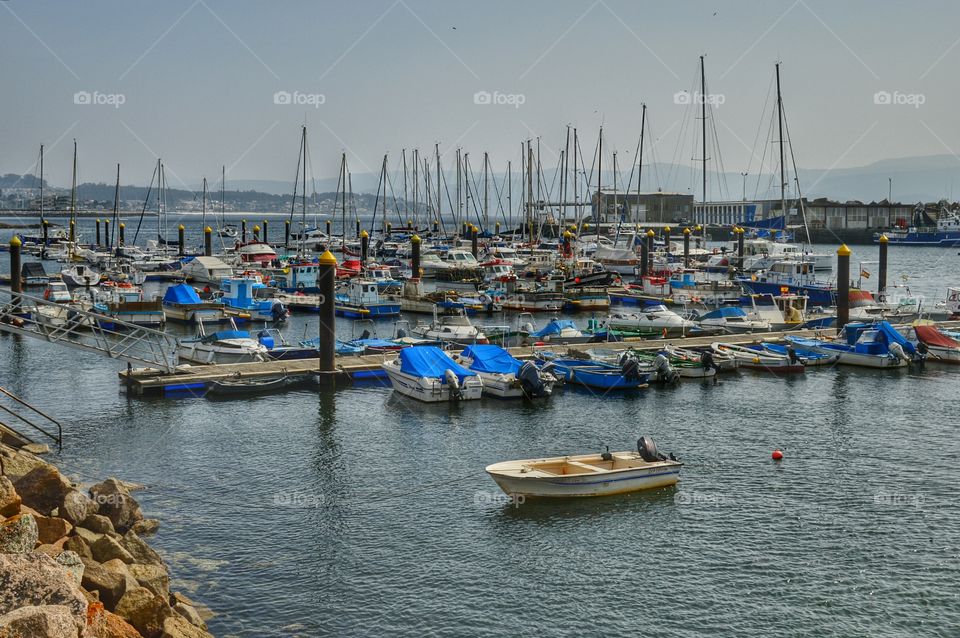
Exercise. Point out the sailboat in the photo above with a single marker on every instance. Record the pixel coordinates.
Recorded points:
(224, 229)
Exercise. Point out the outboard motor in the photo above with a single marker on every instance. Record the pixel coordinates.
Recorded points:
(278, 311)
(527, 327)
(648, 450)
(365, 334)
(664, 369)
(792, 353)
(401, 333)
(532, 381)
(897, 351)
(630, 369)
(605, 455)
(454, 384)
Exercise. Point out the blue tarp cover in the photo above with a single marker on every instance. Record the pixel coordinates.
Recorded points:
(728, 311)
(489, 358)
(554, 328)
(181, 293)
(431, 362)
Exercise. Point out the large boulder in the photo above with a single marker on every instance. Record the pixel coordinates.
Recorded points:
(89, 537)
(17, 464)
(141, 552)
(42, 488)
(106, 624)
(176, 626)
(37, 580)
(108, 548)
(144, 610)
(73, 565)
(18, 534)
(99, 524)
(9, 499)
(109, 585)
(50, 529)
(76, 506)
(189, 612)
(153, 577)
(42, 621)
(78, 545)
(146, 527)
(114, 500)
(117, 566)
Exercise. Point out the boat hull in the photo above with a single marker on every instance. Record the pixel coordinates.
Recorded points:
(431, 390)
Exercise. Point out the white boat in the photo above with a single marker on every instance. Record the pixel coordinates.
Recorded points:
(450, 329)
(587, 474)
(869, 346)
(222, 346)
(761, 359)
(724, 361)
(731, 320)
(427, 374)
(80, 275)
(653, 317)
(939, 346)
(431, 264)
(620, 257)
(504, 376)
(207, 270)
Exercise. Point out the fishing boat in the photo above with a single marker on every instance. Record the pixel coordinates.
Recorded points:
(601, 474)
(362, 301)
(80, 276)
(245, 294)
(924, 231)
(876, 345)
(428, 374)
(653, 318)
(731, 320)
(506, 377)
(182, 303)
(759, 359)
(450, 328)
(596, 374)
(238, 386)
(222, 346)
(124, 302)
(808, 358)
(940, 347)
(525, 298)
(794, 278)
(724, 361)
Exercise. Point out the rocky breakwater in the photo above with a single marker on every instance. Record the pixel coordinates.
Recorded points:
(73, 563)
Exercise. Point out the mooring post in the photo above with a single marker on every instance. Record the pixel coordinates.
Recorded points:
(122, 228)
(208, 241)
(46, 239)
(329, 232)
(358, 228)
(567, 243)
(73, 231)
(739, 232)
(16, 283)
(415, 257)
(497, 229)
(265, 232)
(666, 238)
(326, 279)
(649, 260)
(364, 247)
(97, 234)
(410, 225)
(882, 275)
(436, 226)
(644, 256)
(243, 230)
(686, 247)
(256, 233)
(180, 247)
(700, 240)
(474, 234)
(106, 233)
(286, 233)
(389, 230)
(843, 287)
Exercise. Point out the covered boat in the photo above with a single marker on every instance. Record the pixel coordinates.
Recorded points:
(588, 474)
(940, 347)
(182, 303)
(222, 346)
(731, 320)
(876, 345)
(426, 373)
(557, 331)
(505, 376)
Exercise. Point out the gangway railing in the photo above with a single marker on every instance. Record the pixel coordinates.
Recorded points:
(50, 423)
(86, 330)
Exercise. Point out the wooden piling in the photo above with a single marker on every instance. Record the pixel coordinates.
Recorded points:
(208, 241)
(256, 233)
(415, 257)
(358, 228)
(286, 233)
(326, 280)
(180, 240)
(474, 234)
(120, 237)
(97, 233)
(364, 247)
(16, 282)
(106, 233)
(666, 238)
(843, 287)
(649, 260)
(882, 275)
(686, 247)
(329, 231)
(243, 230)
(739, 231)
(265, 232)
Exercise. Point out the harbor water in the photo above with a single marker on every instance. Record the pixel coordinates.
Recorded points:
(356, 512)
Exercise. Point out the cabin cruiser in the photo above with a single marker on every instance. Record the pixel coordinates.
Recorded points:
(245, 293)
(362, 300)
(80, 275)
(556, 331)
(651, 318)
(182, 303)
(731, 320)
(620, 257)
(255, 252)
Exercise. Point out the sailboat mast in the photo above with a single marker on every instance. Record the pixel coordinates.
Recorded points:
(439, 172)
(73, 197)
(510, 192)
(406, 199)
(599, 176)
(486, 190)
(643, 126)
(303, 188)
(203, 218)
(223, 190)
(576, 184)
(703, 123)
(116, 209)
(159, 196)
(529, 220)
(41, 185)
(783, 180)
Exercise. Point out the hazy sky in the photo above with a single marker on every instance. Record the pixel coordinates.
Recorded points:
(197, 80)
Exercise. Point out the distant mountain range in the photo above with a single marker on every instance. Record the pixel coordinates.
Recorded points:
(924, 178)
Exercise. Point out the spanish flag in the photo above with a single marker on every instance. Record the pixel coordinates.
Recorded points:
(865, 273)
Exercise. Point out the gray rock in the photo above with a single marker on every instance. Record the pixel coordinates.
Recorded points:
(51, 528)
(144, 610)
(177, 626)
(36, 580)
(9, 499)
(190, 614)
(87, 535)
(79, 546)
(18, 535)
(141, 552)
(117, 566)
(153, 577)
(107, 549)
(36, 448)
(115, 502)
(146, 527)
(98, 523)
(109, 585)
(71, 562)
(44, 621)
(42, 488)
(76, 506)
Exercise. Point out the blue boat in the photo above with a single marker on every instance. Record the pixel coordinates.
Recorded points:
(362, 301)
(876, 345)
(596, 374)
(791, 278)
(245, 294)
(807, 357)
(925, 232)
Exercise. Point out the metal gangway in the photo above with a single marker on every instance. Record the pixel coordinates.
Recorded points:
(25, 414)
(86, 330)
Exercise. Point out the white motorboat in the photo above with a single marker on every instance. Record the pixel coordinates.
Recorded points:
(454, 328)
(601, 474)
(80, 276)
(876, 345)
(222, 346)
(506, 377)
(731, 320)
(427, 374)
(722, 360)
(206, 270)
(653, 317)
(759, 359)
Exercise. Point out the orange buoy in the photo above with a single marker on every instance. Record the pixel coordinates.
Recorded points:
(777, 455)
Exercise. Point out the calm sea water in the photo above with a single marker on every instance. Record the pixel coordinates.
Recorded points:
(355, 512)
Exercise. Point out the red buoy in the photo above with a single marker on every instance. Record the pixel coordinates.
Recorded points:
(777, 455)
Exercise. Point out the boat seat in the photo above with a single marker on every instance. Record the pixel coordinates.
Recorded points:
(592, 468)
